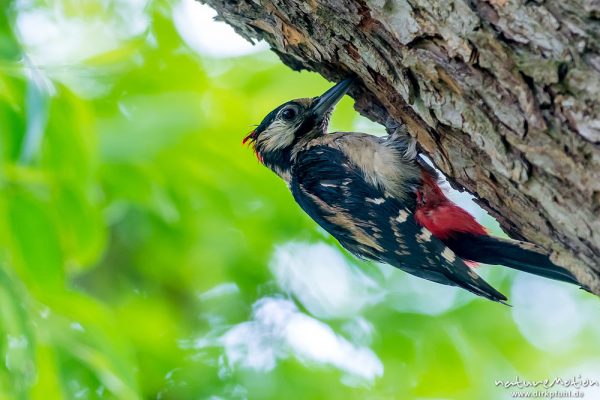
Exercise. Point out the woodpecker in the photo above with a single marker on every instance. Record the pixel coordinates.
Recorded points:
(381, 200)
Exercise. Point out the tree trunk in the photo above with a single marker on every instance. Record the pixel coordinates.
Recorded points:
(503, 95)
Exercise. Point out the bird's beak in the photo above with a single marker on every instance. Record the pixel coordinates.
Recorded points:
(324, 103)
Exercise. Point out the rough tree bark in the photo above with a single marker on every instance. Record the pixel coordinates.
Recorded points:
(504, 96)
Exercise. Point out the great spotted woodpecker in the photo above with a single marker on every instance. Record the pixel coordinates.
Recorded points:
(381, 201)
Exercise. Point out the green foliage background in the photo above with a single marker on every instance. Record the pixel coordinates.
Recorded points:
(118, 209)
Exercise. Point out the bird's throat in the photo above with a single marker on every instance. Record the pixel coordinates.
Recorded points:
(279, 161)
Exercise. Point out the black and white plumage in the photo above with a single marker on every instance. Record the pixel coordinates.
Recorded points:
(370, 223)
(376, 197)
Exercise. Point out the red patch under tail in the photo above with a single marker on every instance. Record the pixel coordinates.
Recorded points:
(441, 216)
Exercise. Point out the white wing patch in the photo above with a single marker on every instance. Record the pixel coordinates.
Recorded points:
(449, 255)
(328, 184)
(378, 200)
(424, 236)
(402, 216)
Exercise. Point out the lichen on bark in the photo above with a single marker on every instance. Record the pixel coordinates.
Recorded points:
(503, 95)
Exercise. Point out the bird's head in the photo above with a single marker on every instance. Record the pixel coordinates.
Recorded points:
(293, 124)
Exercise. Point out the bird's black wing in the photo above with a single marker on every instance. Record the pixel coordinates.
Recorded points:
(333, 192)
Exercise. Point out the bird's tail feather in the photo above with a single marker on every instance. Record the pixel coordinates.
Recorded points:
(522, 256)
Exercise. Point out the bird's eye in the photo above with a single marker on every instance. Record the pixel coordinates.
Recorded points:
(288, 113)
